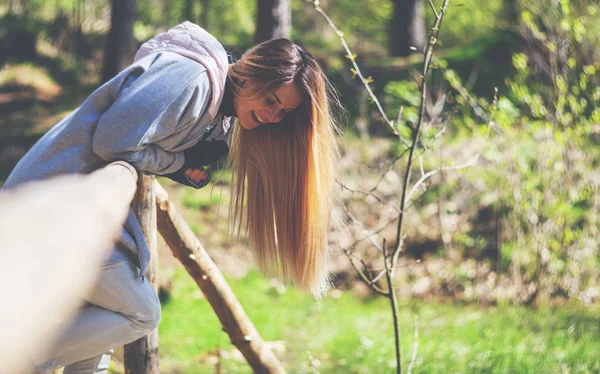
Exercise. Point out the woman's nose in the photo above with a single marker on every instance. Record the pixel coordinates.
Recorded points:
(272, 115)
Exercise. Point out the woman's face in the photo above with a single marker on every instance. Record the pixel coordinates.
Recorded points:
(269, 109)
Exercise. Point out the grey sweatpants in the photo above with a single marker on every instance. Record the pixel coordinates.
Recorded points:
(120, 309)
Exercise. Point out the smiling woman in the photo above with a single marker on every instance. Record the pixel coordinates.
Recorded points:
(283, 173)
(167, 114)
(252, 113)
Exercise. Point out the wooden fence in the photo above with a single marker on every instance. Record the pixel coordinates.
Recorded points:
(89, 211)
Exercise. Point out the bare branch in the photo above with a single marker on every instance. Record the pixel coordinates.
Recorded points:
(415, 345)
(394, 305)
(400, 113)
(378, 277)
(377, 231)
(471, 162)
(187, 248)
(434, 10)
(363, 276)
(441, 132)
(494, 106)
(375, 243)
(431, 173)
(390, 262)
(389, 167)
(358, 72)
(354, 219)
(460, 88)
(397, 266)
(380, 200)
(428, 57)
(380, 229)
(371, 283)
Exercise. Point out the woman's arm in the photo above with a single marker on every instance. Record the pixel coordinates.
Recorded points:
(149, 114)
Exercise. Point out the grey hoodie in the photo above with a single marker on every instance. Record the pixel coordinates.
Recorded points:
(146, 115)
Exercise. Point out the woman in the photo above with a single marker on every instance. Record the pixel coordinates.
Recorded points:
(165, 115)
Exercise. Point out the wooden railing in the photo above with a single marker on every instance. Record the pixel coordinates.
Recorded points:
(73, 212)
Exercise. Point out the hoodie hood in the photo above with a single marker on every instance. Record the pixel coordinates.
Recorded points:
(192, 41)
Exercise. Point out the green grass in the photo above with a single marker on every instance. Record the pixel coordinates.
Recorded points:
(203, 198)
(349, 335)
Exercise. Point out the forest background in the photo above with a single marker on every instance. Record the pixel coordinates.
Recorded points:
(499, 270)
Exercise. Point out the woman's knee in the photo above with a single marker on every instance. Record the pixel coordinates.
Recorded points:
(153, 316)
(122, 290)
(148, 313)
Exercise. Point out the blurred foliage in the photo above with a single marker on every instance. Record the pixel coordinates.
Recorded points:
(549, 162)
(232, 22)
(466, 21)
(540, 162)
(544, 166)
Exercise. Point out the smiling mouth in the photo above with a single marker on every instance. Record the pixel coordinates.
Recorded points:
(257, 118)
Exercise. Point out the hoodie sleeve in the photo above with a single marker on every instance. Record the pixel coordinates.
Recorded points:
(150, 115)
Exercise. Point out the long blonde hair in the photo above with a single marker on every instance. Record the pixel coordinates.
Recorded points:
(283, 174)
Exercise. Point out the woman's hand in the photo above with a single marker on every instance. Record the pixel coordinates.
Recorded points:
(197, 175)
(192, 173)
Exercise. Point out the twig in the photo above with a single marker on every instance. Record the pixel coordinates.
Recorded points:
(371, 283)
(391, 263)
(364, 277)
(377, 231)
(380, 229)
(415, 345)
(400, 113)
(490, 124)
(494, 106)
(381, 274)
(358, 72)
(389, 167)
(445, 168)
(364, 229)
(370, 193)
(460, 88)
(428, 57)
(442, 131)
(394, 305)
(418, 261)
(433, 8)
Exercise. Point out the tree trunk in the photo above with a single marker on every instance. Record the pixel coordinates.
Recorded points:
(120, 45)
(80, 44)
(166, 5)
(188, 249)
(141, 356)
(273, 20)
(407, 28)
(188, 11)
(205, 9)
(512, 12)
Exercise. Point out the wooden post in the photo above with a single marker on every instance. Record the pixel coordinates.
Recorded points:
(188, 249)
(141, 356)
